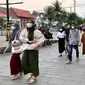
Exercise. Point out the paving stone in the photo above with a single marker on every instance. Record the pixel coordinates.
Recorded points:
(72, 83)
(53, 70)
(56, 81)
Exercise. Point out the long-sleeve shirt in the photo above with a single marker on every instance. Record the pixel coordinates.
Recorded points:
(38, 36)
(74, 37)
(61, 35)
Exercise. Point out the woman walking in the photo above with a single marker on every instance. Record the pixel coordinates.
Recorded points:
(30, 59)
(83, 43)
(61, 41)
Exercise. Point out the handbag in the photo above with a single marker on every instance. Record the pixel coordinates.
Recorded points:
(23, 47)
(18, 49)
(18, 46)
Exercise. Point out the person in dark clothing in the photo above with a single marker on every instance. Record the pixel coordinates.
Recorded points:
(61, 41)
(48, 35)
(67, 38)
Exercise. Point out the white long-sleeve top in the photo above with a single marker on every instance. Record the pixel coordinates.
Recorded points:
(38, 36)
(61, 34)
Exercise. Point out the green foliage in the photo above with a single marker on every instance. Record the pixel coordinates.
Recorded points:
(49, 13)
(57, 6)
(55, 12)
(2, 22)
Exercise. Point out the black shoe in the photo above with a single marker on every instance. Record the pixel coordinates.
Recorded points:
(60, 55)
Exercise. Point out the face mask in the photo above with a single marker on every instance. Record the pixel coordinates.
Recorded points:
(12, 27)
(61, 30)
(68, 26)
(29, 25)
(73, 27)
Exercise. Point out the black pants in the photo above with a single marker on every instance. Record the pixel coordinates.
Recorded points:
(61, 45)
(71, 50)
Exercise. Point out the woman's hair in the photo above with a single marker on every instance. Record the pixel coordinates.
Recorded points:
(13, 34)
(31, 30)
(16, 25)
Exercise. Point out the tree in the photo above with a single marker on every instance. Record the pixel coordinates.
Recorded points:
(57, 10)
(2, 22)
(49, 13)
(72, 17)
(55, 13)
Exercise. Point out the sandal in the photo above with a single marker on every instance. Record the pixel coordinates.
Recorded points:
(29, 75)
(31, 80)
(16, 76)
(13, 77)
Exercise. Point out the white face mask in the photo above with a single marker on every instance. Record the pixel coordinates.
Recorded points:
(12, 27)
(61, 29)
(68, 26)
(29, 25)
(73, 27)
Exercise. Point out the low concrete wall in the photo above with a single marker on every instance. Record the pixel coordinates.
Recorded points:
(3, 48)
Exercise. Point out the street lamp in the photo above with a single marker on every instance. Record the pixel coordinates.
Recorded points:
(7, 4)
(74, 6)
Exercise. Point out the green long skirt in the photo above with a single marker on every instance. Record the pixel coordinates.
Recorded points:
(30, 62)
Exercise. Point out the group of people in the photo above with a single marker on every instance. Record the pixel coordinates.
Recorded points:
(69, 38)
(29, 63)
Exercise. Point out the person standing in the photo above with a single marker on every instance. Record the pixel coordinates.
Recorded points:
(61, 41)
(74, 39)
(8, 32)
(66, 38)
(30, 59)
(83, 43)
(15, 61)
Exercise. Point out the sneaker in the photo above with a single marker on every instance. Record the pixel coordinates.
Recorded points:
(68, 62)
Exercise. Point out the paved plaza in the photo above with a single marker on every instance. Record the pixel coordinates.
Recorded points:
(53, 70)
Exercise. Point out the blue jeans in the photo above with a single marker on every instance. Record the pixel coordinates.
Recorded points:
(71, 50)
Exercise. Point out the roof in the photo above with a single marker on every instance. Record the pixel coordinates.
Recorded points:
(2, 15)
(13, 15)
(35, 13)
(22, 13)
(3, 10)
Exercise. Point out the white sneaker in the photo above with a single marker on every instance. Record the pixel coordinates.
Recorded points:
(68, 62)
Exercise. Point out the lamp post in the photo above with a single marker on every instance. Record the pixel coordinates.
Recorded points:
(7, 5)
(74, 6)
